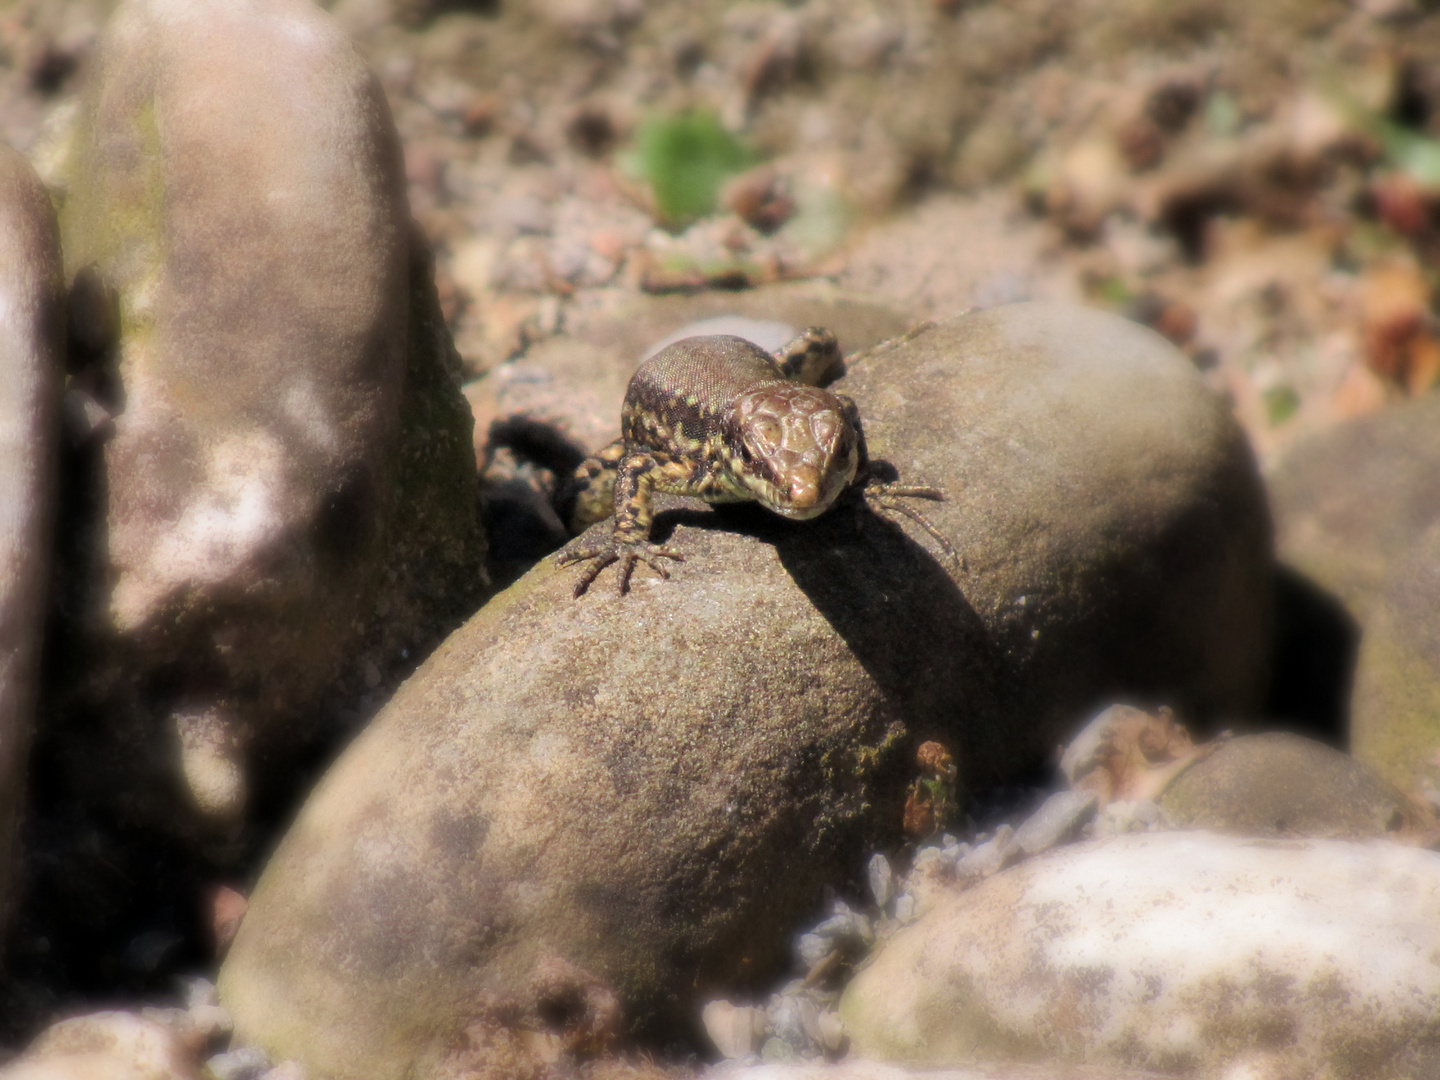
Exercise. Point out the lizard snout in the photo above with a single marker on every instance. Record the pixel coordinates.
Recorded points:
(804, 486)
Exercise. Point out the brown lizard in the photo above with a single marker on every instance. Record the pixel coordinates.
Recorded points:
(719, 418)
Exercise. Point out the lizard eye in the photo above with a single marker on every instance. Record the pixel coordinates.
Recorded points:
(766, 431)
(825, 428)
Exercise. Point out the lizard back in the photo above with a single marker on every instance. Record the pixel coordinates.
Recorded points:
(681, 398)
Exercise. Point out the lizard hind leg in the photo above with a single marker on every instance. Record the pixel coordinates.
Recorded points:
(812, 358)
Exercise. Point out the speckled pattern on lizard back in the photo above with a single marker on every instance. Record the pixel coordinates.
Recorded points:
(719, 418)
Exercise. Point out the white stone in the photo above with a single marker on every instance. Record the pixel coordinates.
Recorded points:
(1172, 950)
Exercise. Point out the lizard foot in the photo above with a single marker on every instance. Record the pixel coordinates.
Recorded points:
(884, 497)
(626, 553)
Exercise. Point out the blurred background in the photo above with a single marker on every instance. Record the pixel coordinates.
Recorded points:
(1257, 180)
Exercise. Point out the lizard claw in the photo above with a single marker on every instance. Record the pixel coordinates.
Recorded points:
(626, 553)
(884, 497)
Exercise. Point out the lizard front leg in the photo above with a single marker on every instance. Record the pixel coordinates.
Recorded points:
(884, 496)
(629, 541)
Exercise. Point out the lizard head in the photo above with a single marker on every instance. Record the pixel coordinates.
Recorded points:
(798, 448)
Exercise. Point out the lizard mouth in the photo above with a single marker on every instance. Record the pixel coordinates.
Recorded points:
(805, 491)
(798, 513)
(798, 450)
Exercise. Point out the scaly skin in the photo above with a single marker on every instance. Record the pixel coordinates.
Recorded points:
(718, 418)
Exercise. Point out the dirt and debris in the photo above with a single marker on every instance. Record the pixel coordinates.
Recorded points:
(1258, 181)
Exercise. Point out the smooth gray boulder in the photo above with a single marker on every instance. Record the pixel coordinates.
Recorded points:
(287, 499)
(1395, 710)
(1280, 784)
(1350, 502)
(1114, 527)
(1186, 952)
(32, 331)
(587, 816)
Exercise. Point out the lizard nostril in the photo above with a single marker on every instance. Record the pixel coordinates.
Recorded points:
(805, 487)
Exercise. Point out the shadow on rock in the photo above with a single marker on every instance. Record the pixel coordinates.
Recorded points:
(873, 583)
(1317, 643)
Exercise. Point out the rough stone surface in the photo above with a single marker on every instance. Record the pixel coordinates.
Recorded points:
(288, 494)
(1278, 784)
(31, 370)
(1395, 722)
(629, 802)
(1349, 503)
(105, 1046)
(1106, 503)
(1173, 951)
(626, 799)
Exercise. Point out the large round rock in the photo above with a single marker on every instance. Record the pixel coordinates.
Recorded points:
(1113, 524)
(31, 370)
(1281, 784)
(287, 500)
(1349, 503)
(590, 813)
(1352, 501)
(1395, 718)
(606, 799)
(1178, 951)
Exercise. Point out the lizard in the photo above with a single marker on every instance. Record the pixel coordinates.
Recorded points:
(719, 418)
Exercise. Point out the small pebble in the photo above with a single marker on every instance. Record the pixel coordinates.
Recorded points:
(245, 1063)
(882, 880)
(992, 856)
(787, 1021)
(734, 1029)
(846, 924)
(777, 1050)
(196, 990)
(1059, 818)
(927, 855)
(813, 948)
(832, 1032)
(211, 1019)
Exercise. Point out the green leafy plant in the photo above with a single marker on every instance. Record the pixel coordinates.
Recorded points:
(1281, 403)
(685, 159)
